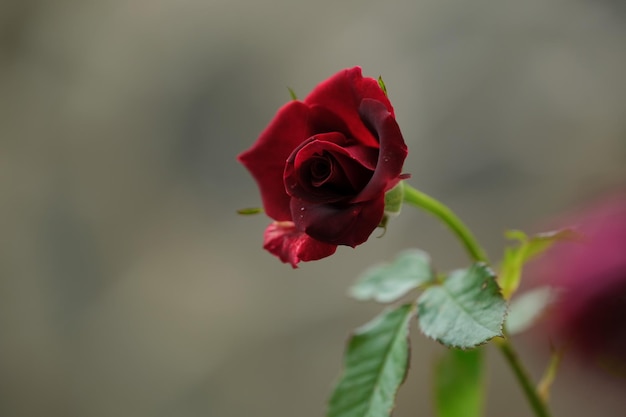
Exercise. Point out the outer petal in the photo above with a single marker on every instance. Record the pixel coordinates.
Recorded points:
(341, 95)
(350, 224)
(266, 158)
(392, 151)
(291, 246)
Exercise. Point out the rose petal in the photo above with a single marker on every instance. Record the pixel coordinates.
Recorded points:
(291, 246)
(346, 224)
(266, 158)
(340, 96)
(355, 172)
(392, 151)
(347, 173)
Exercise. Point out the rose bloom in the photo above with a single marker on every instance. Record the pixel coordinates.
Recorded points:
(323, 166)
(589, 317)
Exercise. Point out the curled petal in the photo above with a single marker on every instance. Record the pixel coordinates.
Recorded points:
(341, 95)
(392, 151)
(321, 170)
(266, 158)
(283, 240)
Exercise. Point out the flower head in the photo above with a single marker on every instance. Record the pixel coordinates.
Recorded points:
(323, 166)
(590, 316)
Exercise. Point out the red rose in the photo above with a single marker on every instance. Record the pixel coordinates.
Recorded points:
(590, 315)
(323, 166)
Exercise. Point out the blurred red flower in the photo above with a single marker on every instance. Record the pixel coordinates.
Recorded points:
(590, 316)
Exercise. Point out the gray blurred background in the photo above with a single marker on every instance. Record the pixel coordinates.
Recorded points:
(129, 286)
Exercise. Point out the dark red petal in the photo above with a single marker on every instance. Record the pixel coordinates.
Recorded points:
(348, 169)
(291, 246)
(338, 224)
(392, 152)
(357, 173)
(339, 97)
(266, 158)
(365, 155)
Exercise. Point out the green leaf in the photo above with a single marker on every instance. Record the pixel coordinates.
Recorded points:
(515, 258)
(545, 384)
(465, 311)
(375, 365)
(516, 235)
(383, 224)
(542, 241)
(386, 283)
(526, 308)
(249, 211)
(382, 85)
(459, 384)
(292, 93)
(394, 199)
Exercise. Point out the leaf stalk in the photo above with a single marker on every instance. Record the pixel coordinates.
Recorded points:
(475, 251)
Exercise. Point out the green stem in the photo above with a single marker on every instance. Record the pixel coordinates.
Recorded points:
(537, 404)
(443, 213)
(476, 252)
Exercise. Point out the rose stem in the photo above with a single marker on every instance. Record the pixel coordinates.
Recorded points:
(476, 252)
(538, 405)
(429, 204)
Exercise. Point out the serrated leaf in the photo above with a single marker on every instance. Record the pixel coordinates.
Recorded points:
(465, 311)
(394, 199)
(515, 258)
(526, 308)
(388, 282)
(375, 366)
(459, 384)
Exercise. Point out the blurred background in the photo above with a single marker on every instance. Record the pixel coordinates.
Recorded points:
(129, 286)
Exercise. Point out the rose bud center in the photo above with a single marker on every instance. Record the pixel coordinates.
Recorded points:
(321, 169)
(325, 169)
